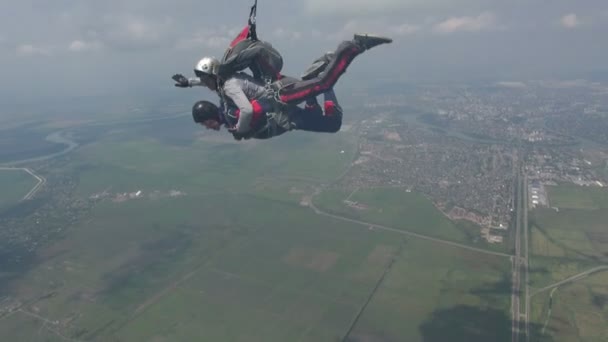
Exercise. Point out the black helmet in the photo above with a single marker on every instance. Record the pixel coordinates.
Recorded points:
(205, 110)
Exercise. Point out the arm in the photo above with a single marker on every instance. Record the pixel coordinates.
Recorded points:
(233, 91)
(194, 81)
(183, 82)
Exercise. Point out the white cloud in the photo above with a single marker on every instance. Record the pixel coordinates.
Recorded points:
(404, 29)
(481, 22)
(570, 21)
(132, 32)
(81, 46)
(32, 50)
(371, 26)
(208, 38)
(346, 31)
(365, 7)
(283, 33)
(512, 84)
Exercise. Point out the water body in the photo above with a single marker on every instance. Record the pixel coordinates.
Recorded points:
(54, 138)
(64, 138)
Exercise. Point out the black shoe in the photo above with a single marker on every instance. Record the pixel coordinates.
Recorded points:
(367, 41)
(317, 66)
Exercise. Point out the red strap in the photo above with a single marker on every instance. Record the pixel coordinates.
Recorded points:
(258, 111)
(257, 108)
(242, 36)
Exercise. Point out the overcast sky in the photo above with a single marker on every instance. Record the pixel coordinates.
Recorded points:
(59, 47)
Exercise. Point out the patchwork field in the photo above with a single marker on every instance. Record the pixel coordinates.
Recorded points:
(565, 244)
(574, 312)
(214, 241)
(174, 270)
(577, 197)
(396, 208)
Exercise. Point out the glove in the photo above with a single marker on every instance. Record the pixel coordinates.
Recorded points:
(181, 81)
(236, 135)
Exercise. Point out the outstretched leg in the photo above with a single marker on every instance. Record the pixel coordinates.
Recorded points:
(345, 53)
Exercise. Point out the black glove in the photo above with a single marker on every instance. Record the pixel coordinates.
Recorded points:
(181, 81)
(236, 135)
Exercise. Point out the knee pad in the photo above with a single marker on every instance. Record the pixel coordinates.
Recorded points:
(331, 108)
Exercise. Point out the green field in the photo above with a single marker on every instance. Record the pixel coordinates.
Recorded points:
(575, 312)
(433, 292)
(175, 270)
(577, 234)
(218, 247)
(396, 208)
(578, 197)
(563, 244)
(14, 184)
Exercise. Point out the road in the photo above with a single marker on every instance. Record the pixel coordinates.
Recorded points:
(520, 262)
(516, 280)
(526, 261)
(34, 190)
(571, 279)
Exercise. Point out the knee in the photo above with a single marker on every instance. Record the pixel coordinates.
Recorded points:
(335, 125)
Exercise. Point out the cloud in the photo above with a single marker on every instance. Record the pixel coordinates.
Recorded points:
(283, 33)
(365, 7)
(131, 32)
(484, 21)
(512, 84)
(32, 50)
(81, 46)
(404, 29)
(570, 21)
(374, 26)
(207, 38)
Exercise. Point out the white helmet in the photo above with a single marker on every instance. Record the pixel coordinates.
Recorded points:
(208, 66)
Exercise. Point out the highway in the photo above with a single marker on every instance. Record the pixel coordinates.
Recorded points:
(520, 262)
(516, 280)
(526, 261)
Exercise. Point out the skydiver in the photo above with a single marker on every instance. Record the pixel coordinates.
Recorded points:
(252, 97)
(264, 125)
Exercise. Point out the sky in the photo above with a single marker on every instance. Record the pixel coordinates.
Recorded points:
(80, 47)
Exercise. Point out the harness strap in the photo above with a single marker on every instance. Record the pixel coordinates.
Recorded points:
(252, 22)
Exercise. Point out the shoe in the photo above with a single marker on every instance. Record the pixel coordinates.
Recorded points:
(368, 41)
(318, 66)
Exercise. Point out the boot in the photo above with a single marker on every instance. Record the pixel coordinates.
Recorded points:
(367, 41)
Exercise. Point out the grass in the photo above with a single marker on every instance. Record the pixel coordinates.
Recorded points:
(238, 258)
(175, 269)
(427, 295)
(541, 245)
(565, 243)
(547, 271)
(579, 233)
(579, 311)
(578, 197)
(14, 184)
(396, 208)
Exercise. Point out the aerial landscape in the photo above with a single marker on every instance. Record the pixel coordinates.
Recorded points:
(443, 210)
(143, 234)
